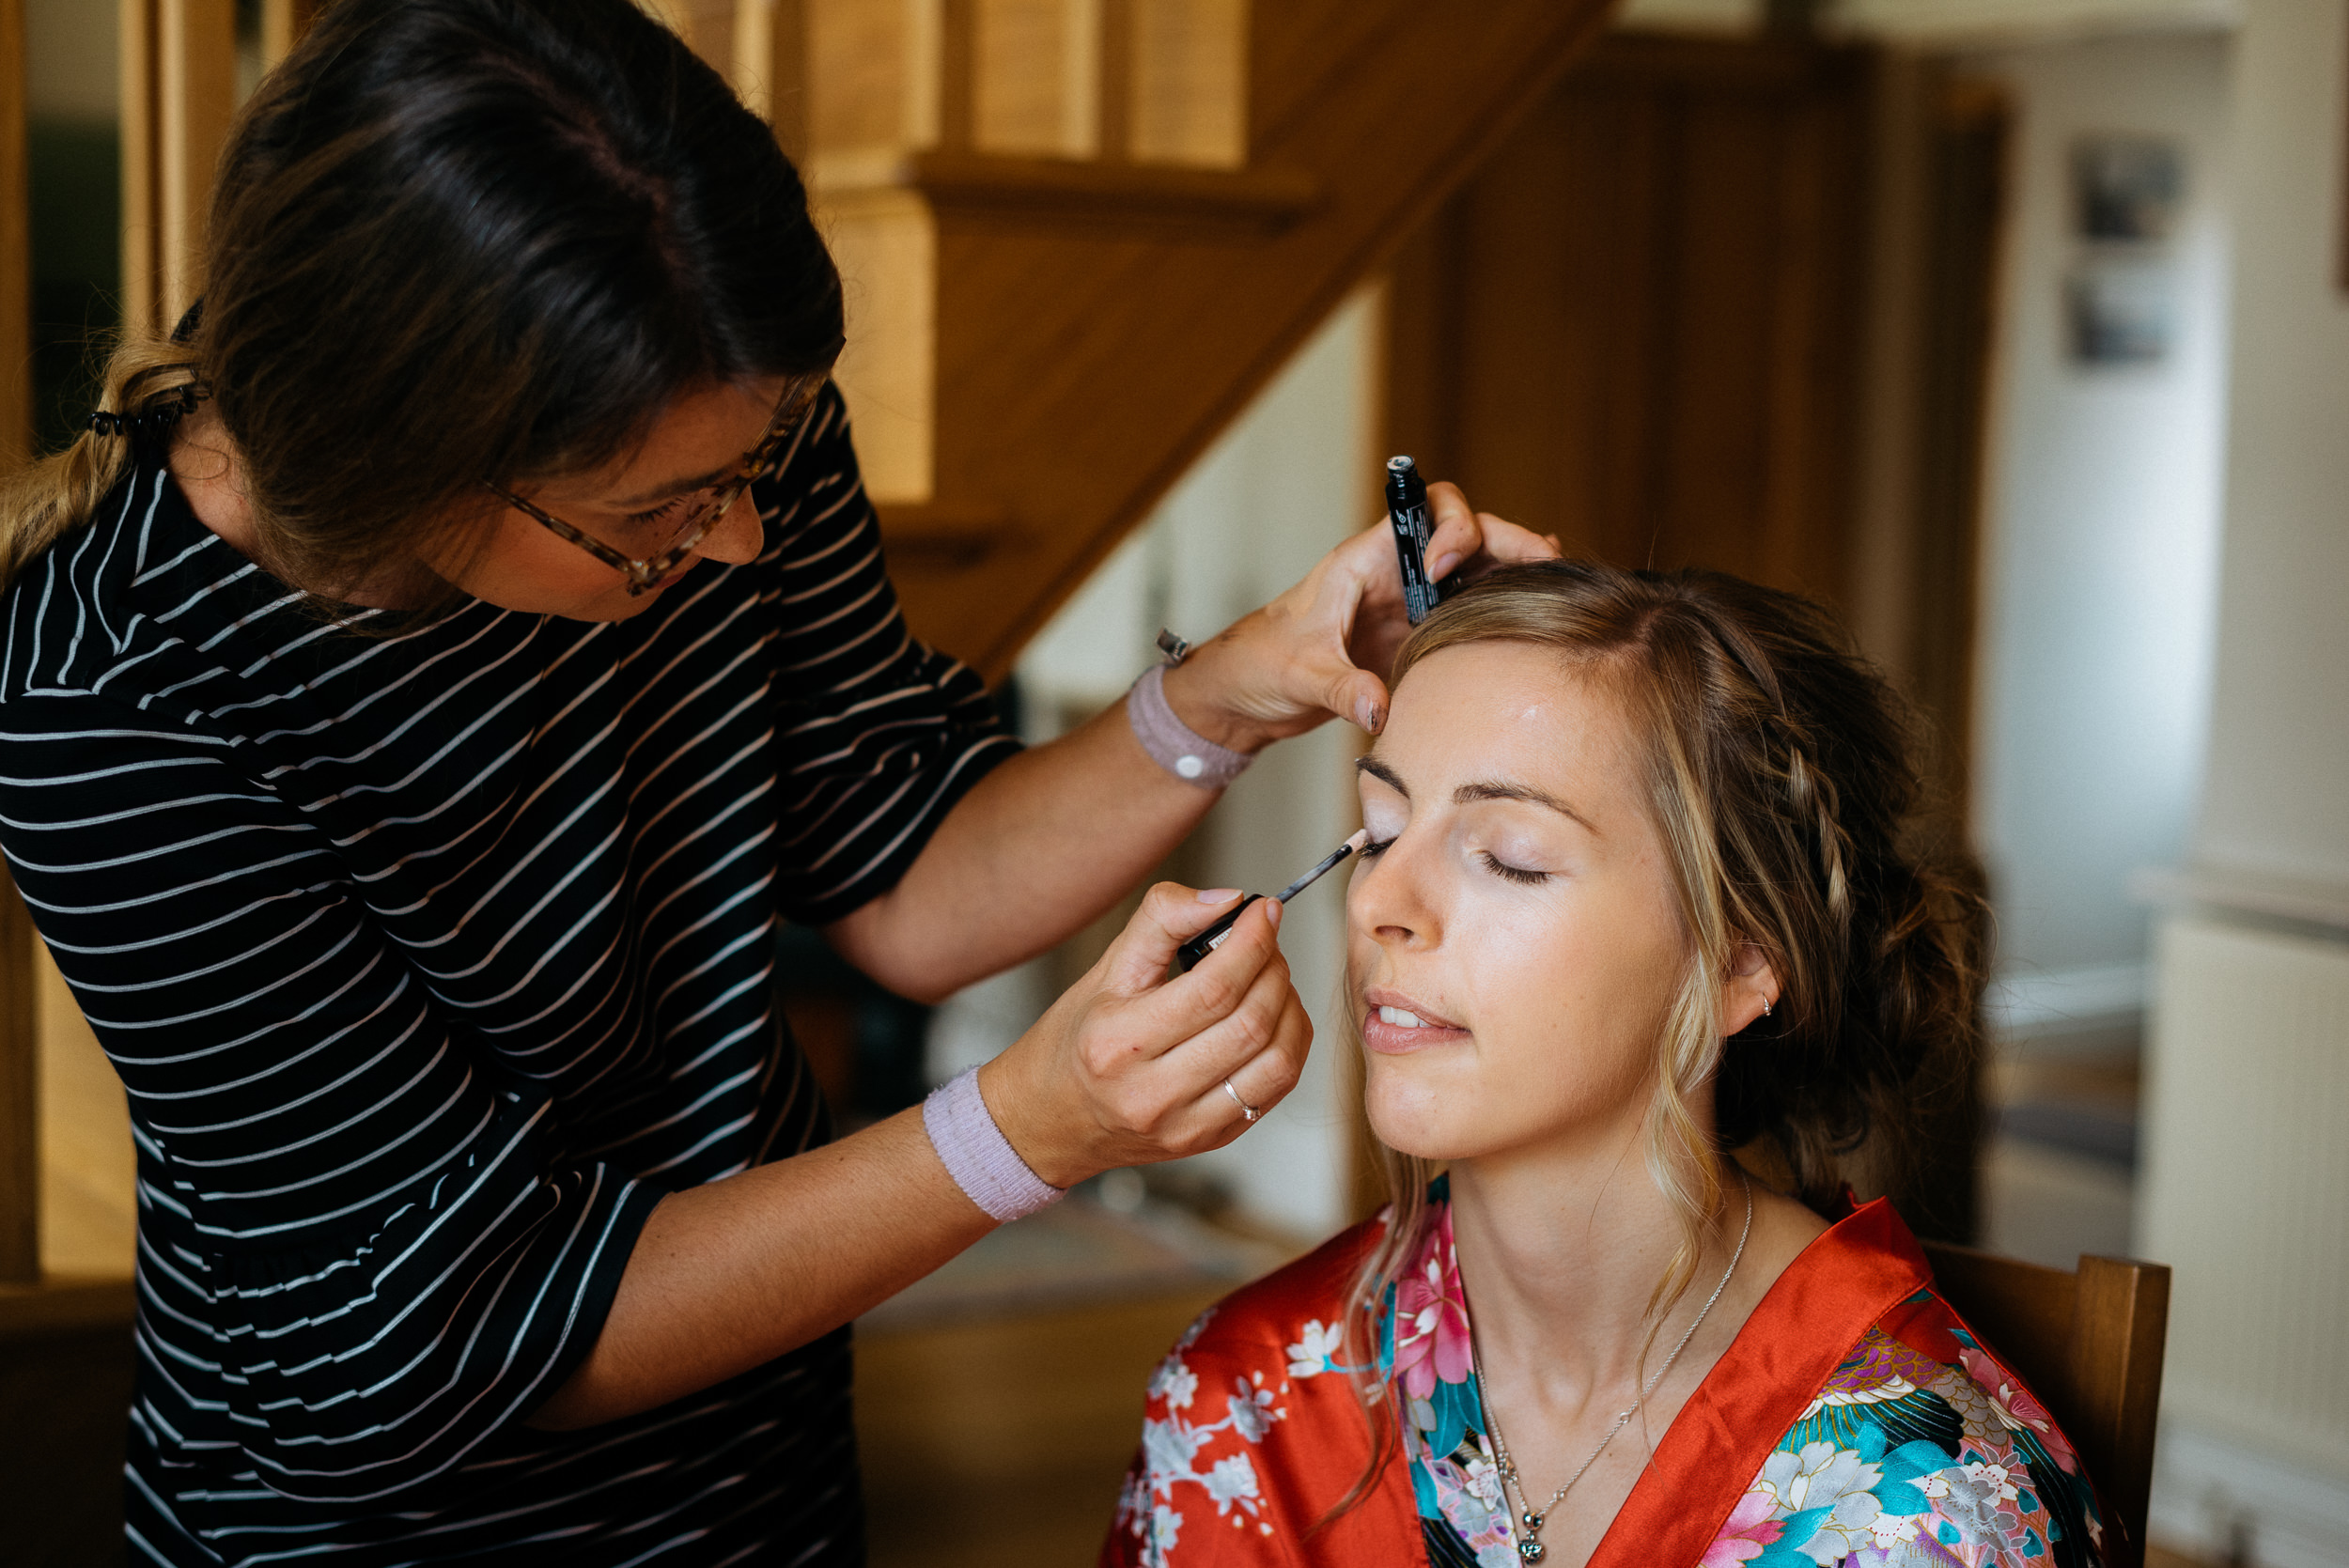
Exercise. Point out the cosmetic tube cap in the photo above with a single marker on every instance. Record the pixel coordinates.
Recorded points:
(977, 1154)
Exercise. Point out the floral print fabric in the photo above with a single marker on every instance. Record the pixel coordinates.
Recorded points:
(1919, 1448)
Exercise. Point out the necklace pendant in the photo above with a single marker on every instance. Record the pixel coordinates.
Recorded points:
(1531, 1519)
(1530, 1550)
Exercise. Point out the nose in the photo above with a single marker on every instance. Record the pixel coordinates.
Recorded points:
(735, 538)
(1392, 897)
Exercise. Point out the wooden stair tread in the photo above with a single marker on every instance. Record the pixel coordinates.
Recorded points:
(1083, 192)
(63, 1302)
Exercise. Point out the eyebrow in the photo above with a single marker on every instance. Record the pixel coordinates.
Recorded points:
(1492, 789)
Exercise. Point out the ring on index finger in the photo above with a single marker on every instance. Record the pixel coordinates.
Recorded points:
(1248, 1112)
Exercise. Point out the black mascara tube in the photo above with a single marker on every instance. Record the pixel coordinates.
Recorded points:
(1406, 510)
(1191, 951)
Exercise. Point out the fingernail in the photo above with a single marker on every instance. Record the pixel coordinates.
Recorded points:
(1445, 562)
(1366, 715)
(1217, 895)
(1273, 909)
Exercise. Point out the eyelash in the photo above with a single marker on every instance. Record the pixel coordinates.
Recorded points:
(642, 518)
(1499, 868)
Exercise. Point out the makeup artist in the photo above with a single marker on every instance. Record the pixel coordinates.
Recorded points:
(425, 683)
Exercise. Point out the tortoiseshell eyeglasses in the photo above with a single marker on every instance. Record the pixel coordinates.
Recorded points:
(702, 509)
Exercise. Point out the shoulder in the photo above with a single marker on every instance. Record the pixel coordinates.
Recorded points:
(1252, 1428)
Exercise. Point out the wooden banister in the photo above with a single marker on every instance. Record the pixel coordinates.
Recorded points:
(1113, 81)
(16, 247)
(283, 23)
(955, 83)
(179, 95)
(770, 67)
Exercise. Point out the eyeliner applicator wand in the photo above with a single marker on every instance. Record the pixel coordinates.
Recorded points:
(1191, 951)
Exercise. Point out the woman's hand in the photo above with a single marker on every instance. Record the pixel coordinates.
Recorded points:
(1325, 646)
(1128, 1067)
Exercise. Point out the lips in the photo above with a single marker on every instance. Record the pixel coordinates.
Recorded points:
(1395, 1023)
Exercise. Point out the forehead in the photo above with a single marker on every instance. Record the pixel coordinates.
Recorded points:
(1488, 712)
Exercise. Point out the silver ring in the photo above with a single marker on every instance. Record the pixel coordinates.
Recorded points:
(1250, 1112)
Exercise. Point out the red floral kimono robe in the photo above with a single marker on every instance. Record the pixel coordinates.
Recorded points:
(1855, 1420)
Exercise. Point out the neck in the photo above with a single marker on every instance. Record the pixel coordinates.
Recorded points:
(209, 472)
(1561, 1250)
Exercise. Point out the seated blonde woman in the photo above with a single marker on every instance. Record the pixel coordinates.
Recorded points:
(1639, 893)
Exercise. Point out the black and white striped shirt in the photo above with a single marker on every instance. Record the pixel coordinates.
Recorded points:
(431, 960)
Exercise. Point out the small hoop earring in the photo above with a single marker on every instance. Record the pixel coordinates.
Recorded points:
(1765, 1007)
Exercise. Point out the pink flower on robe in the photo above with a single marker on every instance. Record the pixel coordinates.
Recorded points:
(1431, 1325)
(1744, 1533)
(2017, 1408)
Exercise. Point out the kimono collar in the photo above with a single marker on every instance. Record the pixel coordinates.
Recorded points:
(1856, 1273)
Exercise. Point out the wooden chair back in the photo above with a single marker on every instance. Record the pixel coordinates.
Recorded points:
(2089, 1343)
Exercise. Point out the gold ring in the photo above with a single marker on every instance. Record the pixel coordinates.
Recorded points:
(1250, 1112)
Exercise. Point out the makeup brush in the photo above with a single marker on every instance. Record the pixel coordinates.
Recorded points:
(1212, 937)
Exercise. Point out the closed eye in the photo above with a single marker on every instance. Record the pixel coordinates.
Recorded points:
(646, 519)
(1512, 873)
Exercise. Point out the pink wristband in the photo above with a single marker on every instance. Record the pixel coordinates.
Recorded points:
(1175, 745)
(977, 1154)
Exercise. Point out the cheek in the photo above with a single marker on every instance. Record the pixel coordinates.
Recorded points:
(1567, 993)
(525, 568)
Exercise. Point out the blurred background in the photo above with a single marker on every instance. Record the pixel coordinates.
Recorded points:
(2015, 330)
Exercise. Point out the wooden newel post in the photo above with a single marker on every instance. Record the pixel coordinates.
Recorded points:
(20, 1093)
(20, 1038)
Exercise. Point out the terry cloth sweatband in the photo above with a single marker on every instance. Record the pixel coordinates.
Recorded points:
(1172, 744)
(977, 1154)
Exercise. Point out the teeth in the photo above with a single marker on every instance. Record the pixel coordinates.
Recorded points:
(1399, 1017)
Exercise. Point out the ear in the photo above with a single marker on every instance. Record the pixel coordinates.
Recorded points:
(1750, 989)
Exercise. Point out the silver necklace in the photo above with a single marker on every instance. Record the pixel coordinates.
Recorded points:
(1531, 1519)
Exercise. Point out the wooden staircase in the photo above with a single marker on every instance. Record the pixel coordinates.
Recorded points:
(1088, 232)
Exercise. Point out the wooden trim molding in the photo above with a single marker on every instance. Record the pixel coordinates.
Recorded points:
(20, 1093)
(2312, 908)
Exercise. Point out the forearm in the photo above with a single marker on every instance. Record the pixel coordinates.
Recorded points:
(727, 1276)
(1041, 846)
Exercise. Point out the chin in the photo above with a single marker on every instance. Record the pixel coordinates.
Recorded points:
(1427, 1121)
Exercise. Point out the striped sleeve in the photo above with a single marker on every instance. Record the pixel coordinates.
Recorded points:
(370, 1255)
(877, 736)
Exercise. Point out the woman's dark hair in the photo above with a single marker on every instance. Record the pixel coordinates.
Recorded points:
(458, 240)
(1778, 765)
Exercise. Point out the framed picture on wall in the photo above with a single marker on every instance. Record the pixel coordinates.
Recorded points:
(2125, 188)
(2120, 298)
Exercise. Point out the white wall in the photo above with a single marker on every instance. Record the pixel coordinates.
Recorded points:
(2277, 799)
(2251, 1033)
(2100, 535)
(1293, 477)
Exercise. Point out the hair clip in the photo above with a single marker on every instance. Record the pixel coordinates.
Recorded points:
(148, 423)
